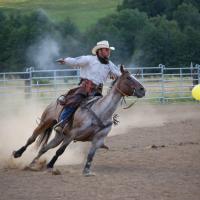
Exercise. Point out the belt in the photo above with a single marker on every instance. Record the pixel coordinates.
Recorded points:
(89, 85)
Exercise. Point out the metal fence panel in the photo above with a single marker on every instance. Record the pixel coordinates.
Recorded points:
(162, 83)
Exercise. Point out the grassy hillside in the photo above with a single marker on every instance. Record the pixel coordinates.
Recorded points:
(82, 12)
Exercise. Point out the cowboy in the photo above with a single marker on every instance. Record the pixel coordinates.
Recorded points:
(94, 70)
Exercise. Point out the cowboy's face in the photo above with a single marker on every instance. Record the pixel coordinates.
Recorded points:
(104, 52)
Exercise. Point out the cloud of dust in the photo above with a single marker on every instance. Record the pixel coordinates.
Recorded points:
(44, 53)
(17, 124)
(138, 116)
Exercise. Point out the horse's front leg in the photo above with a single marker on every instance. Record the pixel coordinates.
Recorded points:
(66, 141)
(52, 144)
(97, 143)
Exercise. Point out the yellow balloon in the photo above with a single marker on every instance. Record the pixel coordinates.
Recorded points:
(196, 92)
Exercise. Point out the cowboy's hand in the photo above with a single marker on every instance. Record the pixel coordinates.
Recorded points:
(113, 77)
(60, 61)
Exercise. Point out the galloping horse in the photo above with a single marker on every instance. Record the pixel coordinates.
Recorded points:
(89, 123)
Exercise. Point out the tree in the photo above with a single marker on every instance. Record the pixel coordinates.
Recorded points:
(157, 7)
(158, 43)
(151, 7)
(187, 15)
(192, 45)
(20, 32)
(17, 33)
(120, 29)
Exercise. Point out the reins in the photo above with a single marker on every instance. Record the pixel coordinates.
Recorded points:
(127, 107)
(121, 92)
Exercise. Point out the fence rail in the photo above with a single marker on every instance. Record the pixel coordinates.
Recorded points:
(162, 84)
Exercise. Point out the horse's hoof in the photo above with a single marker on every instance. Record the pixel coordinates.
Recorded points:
(56, 172)
(53, 171)
(26, 168)
(88, 174)
(48, 170)
(33, 167)
(104, 147)
(16, 154)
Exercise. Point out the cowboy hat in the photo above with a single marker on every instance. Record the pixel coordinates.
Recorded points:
(100, 45)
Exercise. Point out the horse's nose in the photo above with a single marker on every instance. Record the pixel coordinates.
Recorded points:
(142, 91)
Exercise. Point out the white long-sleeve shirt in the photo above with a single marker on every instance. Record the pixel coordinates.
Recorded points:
(92, 69)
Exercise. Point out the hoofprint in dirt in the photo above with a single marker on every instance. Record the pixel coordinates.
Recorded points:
(156, 157)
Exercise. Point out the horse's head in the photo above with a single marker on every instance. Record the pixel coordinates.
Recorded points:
(128, 85)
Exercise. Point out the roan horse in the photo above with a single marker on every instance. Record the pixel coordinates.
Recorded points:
(89, 124)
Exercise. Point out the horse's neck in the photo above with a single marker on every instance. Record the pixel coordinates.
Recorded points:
(108, 104)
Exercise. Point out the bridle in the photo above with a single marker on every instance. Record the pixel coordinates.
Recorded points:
(121, 92)
(123, 98)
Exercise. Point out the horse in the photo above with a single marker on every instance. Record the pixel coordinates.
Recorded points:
(89, 123)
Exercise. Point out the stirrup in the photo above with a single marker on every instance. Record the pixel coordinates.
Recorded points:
(58, 129)
(57, 126)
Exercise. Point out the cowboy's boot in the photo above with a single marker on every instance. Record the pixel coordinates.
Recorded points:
(64, 118)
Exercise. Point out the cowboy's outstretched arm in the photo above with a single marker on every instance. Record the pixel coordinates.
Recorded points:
(75, 62)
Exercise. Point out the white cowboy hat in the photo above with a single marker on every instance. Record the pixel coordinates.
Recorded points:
(100, 45)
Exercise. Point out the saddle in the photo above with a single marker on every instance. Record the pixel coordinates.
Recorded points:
(86, 104)
(76, 96)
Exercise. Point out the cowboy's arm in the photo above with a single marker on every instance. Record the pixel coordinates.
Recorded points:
(75, 62)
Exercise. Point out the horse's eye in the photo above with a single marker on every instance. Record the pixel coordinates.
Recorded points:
(129, 78)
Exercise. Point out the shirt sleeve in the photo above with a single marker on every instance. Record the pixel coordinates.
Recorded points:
(114, 69)
(81, 61)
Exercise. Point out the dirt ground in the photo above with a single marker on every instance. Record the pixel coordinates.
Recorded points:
(154, 155)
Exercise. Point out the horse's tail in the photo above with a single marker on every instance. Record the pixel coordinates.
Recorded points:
(43, 138)
(47, 122)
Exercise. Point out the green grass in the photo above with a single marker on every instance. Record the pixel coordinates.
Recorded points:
(83, 13)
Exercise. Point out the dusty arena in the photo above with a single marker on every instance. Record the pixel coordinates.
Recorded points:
(154, 155)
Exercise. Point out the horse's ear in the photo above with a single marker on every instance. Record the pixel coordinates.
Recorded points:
(122, 68)
(137, 74)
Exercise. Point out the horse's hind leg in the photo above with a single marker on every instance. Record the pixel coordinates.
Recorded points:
(38, 130)
(52, 144)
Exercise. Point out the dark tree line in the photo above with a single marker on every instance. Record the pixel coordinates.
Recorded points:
(144, 32)
(149, 32)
